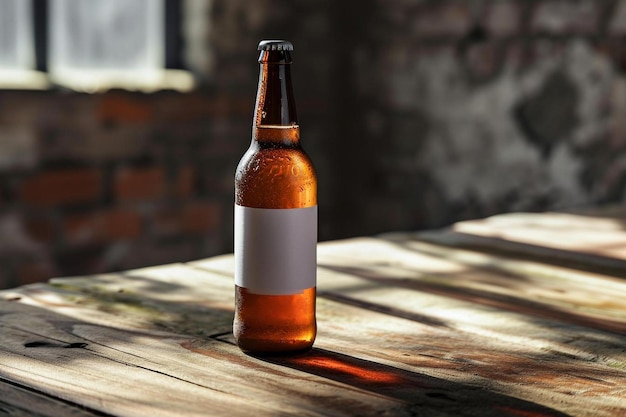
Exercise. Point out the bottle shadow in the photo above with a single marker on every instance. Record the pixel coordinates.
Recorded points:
(420, 393)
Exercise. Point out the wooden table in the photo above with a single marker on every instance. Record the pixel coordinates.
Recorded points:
(516, 315)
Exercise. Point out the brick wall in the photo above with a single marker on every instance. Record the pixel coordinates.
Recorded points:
(114, 181)
(416, 114)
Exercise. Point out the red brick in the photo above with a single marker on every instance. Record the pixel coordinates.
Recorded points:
(136, 184)
(121, 224)
(124, 108)
(54, 188)
(200, 217)
(191, 219)
(121, 142)
(183, 186)
(35, 271)
(167, 222)
(184, 108)
(566, 17)
(80, 229)
(102, 227)
(40, 228)
(443, 19)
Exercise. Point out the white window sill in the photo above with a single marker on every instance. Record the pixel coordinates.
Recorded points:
(98, 81)
(11, 79)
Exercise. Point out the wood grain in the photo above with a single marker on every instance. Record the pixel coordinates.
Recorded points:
(409, 324)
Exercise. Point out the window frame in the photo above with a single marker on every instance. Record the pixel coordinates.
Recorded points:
(172, 75)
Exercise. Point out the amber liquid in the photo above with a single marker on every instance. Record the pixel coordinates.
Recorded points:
(274, 324)
(275, 173)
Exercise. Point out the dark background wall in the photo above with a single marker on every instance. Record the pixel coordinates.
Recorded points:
(416, 113)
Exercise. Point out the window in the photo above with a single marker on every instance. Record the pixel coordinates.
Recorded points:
(92, 45)
(17, 46)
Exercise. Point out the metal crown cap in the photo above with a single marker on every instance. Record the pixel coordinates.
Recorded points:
(275, 45)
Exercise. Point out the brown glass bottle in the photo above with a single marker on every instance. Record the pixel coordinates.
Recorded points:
(275, 221)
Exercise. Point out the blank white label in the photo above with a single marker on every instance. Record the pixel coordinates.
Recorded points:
(275, 249)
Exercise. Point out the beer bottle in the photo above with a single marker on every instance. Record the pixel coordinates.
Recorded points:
(275, 220)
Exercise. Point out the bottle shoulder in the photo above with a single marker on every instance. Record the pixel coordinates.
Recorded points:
(264, 157)
(275, 163)
(276, 178)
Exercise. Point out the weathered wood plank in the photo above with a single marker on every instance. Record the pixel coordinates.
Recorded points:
(588, 241)
(406, 327)
(534, 288)
(128, 355)
(128, 368)
(438, 319)
(17, 401)
(146, 373)
(579, 233)
(478, 285)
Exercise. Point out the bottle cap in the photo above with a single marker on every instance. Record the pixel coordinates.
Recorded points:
(275, 45)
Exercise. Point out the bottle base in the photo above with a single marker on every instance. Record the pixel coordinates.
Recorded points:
(262, 349)
(277, 354)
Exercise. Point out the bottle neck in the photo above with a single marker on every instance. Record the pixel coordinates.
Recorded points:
(275, 117)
